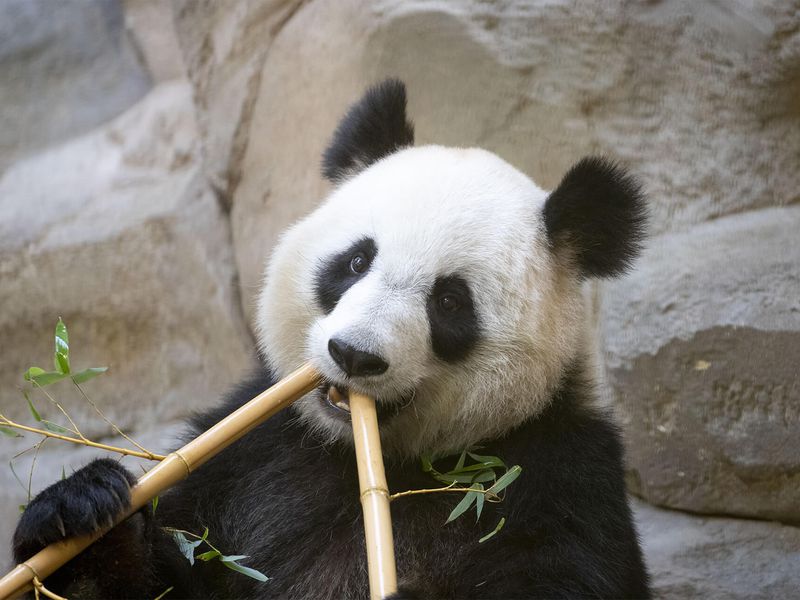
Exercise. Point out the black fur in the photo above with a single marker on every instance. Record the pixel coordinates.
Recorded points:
(453, 333)
(293, 507)
(374, 127)
(598, 215)
(335, 276)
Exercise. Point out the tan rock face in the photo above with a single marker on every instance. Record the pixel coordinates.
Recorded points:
(224, 44)
(116, 233)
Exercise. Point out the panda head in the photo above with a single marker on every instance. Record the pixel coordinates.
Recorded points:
(441, 281)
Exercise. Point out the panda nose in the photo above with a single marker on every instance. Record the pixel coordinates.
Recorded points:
(355, 362)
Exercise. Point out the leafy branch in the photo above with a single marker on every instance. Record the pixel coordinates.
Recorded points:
(39, 379)
(482, 470)
(188, 549)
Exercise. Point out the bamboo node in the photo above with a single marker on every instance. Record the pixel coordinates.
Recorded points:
(375, 490)
(184, 461)
(32, 570)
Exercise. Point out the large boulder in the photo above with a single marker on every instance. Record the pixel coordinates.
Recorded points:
(697, 98)
(717, 559)
(703, 349)
(66, 67)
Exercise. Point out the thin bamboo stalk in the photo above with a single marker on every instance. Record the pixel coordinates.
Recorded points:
(175, 467)
(374, 497)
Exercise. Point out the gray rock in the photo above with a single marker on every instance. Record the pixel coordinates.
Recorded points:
(703, 347)
(66, 67)
(711, 558)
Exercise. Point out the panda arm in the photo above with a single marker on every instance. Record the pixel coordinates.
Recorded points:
(134, 559)
(137, 558)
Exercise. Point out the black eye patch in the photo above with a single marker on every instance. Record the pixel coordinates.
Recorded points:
(338, 273)
(454, 323)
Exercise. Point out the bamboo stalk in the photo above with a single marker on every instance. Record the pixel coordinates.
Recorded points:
(374, 497)
(175, 467)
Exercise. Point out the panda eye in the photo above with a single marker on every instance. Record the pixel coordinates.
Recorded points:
(359, 263)
(449, 302)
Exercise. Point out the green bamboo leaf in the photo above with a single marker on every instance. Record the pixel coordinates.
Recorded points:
(63, 473)
(479, 502)
(472, 468)
(259, 576)
(491, 461)
(462, 506)
(22, 507)
(34, 412)
(61, 363)
(31, 373)
(204, 536)
(88, 374)
(206, 556)
(61, 358)
(186, 547)
(9, 432)
(494, 531)
(427, 467)
(154, 503)
(232, 558)
(460, 463)
(505, 480)
(42, 378)
(54, 427)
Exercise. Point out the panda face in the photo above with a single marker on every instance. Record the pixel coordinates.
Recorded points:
(441, 281)
(425, 281)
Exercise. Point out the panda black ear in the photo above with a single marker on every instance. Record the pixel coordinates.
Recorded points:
(597, 215)
(374, 127)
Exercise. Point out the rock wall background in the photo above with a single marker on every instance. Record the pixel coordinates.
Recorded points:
(151, 152)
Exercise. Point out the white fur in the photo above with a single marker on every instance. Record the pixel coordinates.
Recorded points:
(431, 211)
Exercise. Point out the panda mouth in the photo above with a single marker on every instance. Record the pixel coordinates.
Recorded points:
(336, 399)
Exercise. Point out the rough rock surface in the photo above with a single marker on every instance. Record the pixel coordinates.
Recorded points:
(699, 98)
(117, 232)
(225, 43)
(120, 237)
(703, 344)
(717, 559)
(65, 67)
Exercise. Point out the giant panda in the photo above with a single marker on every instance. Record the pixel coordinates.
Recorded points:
(448, 285)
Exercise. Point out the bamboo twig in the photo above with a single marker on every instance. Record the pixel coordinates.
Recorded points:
(6, 422)
(38, 586)
(107, 420)
(490, 495)
(63, 411)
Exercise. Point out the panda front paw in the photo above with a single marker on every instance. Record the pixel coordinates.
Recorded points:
(91, 498)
